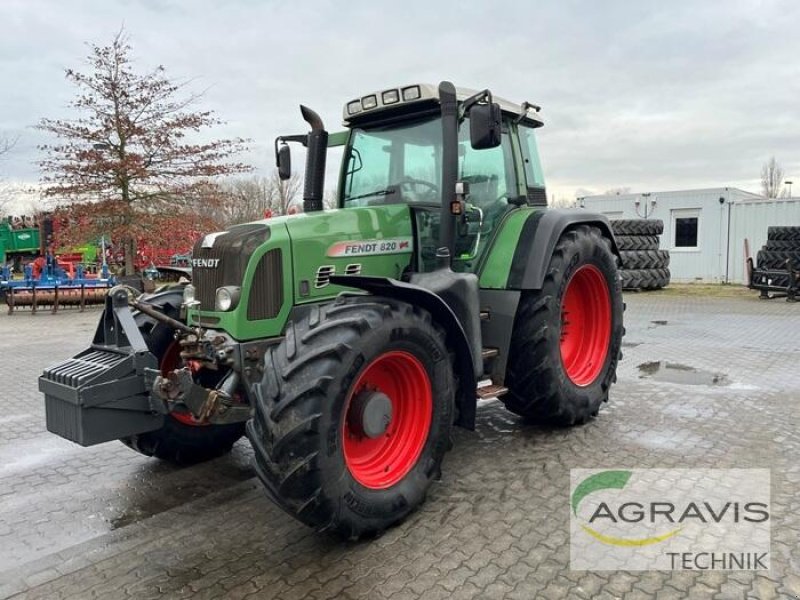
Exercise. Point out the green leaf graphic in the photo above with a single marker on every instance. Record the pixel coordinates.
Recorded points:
(599, 481)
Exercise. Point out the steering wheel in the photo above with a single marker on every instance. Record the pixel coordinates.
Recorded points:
(412, 184)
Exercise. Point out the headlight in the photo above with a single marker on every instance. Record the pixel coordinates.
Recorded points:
(368, 102)
(188, 296)
(226, 298)
(411, 93)
(390, 97)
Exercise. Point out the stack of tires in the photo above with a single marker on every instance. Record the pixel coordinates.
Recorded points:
(781, 250)
(643, 265)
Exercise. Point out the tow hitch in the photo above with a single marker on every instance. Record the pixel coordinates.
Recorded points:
(208, 406)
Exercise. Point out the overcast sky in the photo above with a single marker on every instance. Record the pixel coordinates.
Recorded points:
(647, 95)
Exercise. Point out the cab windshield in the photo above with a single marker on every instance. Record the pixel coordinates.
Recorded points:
(403, 163)
(389, 165)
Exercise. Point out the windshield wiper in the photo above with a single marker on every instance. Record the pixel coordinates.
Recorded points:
(386, 192)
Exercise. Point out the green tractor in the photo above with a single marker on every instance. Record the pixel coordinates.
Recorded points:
(347, 343)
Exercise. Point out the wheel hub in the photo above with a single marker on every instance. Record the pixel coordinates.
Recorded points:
(585, 325)
(387, 419)
(370, 414)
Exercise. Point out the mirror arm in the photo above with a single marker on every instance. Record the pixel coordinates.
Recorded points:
(301, 138)
(282, 139)
(473, 100)
(526, 106)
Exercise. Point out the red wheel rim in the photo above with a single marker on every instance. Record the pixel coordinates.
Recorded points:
(585, 325)
(379, 463)
(169, 362)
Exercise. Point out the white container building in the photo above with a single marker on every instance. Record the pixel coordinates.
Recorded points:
(704, 230)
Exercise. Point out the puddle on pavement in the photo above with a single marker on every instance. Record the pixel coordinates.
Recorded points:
(659, 322)
(631, 344)
(144, 496)
(677, 373)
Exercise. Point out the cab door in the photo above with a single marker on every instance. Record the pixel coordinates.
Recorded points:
(494, 190)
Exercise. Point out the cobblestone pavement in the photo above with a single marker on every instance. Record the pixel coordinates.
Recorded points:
(105, 522)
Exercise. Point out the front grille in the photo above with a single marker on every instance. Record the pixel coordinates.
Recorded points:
(232, 250)
(354, 269)
(207, 280)
(323, 277)
(266, 292)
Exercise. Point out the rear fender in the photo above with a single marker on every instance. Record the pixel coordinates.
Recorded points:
(538, 239)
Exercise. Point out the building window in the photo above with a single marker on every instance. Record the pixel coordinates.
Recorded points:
(686, 229)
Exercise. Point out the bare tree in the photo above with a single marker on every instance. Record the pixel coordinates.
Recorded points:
(285, 191)
(772, 179)
(331, 199)
(126, 159)
(6, 193)
(6, 144)
(256, 197)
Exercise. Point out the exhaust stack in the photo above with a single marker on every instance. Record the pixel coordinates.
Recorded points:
(315, 161)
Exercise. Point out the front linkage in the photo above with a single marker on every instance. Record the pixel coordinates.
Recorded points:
(117, 387)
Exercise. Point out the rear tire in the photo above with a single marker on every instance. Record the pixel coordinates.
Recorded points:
(644, 259)
(782, 245)
(637, 226)
(777, 259)
(637, 242)
(309, 452)
(550, 378)
(179, 440)
(784, 233)
(645, 279)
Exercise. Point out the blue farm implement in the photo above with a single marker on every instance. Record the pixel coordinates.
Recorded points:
(54, 287)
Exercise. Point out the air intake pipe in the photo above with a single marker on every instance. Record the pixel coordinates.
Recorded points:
(317, 149)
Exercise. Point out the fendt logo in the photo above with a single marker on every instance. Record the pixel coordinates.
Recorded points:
(643, 519)
(205, 263)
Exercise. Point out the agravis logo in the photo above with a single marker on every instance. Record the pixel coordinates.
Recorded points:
(669, 518)
(603, 481)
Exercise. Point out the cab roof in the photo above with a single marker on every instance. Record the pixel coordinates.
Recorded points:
(382, 102)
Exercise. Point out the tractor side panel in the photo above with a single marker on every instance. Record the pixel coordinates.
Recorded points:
(520, 253)
(493, 273)
(293, 266)
(372, 241)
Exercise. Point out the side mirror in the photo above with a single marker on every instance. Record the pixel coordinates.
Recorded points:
(485, 126)
(284, 162)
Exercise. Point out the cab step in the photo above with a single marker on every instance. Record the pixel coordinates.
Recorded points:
(489, 353)
(489, 389)
(485, 314)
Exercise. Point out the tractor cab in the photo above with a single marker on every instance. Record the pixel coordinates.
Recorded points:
(404, 145)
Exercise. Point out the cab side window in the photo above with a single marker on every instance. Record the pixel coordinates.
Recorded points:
(490, 173)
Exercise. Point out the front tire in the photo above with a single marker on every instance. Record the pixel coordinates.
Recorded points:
(324, 450)
(181, 439)
(567, 336)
